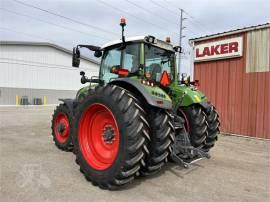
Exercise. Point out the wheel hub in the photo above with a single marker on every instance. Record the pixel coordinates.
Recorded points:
(61, 128)
(108, 134)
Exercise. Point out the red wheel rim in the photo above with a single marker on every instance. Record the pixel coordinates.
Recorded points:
(62, 121)
(99, 150)
(186, 120)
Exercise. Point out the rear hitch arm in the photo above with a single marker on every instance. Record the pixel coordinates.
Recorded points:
(178, 160)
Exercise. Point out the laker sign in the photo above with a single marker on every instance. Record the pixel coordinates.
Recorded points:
(227, 48)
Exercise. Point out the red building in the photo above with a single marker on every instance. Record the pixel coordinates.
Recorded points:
(234, 72)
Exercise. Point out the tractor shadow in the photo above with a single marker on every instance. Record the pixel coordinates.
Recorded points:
(180, 171)
(175, 169)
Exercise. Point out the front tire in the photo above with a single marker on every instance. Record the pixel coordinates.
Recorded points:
(202, 125)
(61, 128)
(196, 124)
(213, 128)
(109, 137)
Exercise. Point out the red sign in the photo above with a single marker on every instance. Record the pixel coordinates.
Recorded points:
(219, 49)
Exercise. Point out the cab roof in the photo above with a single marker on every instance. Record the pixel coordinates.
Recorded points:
(160, 43)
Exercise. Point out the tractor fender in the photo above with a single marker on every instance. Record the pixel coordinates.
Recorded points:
(82, 92)
(188, 95)
(70, 103)
(205, 105)
(154, 96)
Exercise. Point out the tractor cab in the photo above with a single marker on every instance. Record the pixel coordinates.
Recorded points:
(142, 56)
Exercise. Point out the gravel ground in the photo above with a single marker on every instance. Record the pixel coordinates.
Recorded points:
(33, 169)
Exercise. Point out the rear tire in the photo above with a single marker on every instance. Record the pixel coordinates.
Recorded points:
(61, 128)
(109, 165)
(161, 138)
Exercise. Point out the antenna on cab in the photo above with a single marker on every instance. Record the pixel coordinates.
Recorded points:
(123, 24)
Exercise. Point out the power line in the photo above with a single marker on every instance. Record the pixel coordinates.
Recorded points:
(66, 18)
(149, 11)
(39, 37)
(135, 16)
(195, 21)
(166, 8)
(192, 31)
(72, 20)
(163, 7)
(35, 36)
(195, 26)
(172, 13)
(54, 24)
(203, 28)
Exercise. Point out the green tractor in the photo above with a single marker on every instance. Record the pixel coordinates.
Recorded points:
(136, 115)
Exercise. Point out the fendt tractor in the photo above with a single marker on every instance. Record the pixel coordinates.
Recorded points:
(136, 115)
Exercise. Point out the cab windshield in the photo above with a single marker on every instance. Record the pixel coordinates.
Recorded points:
(157, 61)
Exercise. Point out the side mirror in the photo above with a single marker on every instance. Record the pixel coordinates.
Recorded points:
(183, 75)
(82, 73)
(98, 54)
(188, 79)
(76, 57)
(178, 49)
(84, 79)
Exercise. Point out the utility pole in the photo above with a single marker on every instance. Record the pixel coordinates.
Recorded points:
(180, 38)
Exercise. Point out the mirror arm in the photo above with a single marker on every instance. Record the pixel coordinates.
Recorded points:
(84, 80)
(90, 47)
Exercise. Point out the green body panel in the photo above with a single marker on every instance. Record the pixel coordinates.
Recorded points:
(191, 96)
(154, 95)
(153, 91)
(142, 54)
(83, 91)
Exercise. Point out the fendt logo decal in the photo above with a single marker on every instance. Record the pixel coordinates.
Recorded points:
(219, 49)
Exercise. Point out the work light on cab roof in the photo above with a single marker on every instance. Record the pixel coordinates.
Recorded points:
(123, 21)
(168, 39)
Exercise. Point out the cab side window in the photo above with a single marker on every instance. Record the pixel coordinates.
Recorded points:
(158, 60)
(131, 57)
(110, 58)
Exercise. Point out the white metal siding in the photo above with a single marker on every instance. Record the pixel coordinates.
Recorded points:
(41, 67)
(258, 51)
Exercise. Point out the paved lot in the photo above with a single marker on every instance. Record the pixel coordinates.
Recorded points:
(33, 169)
